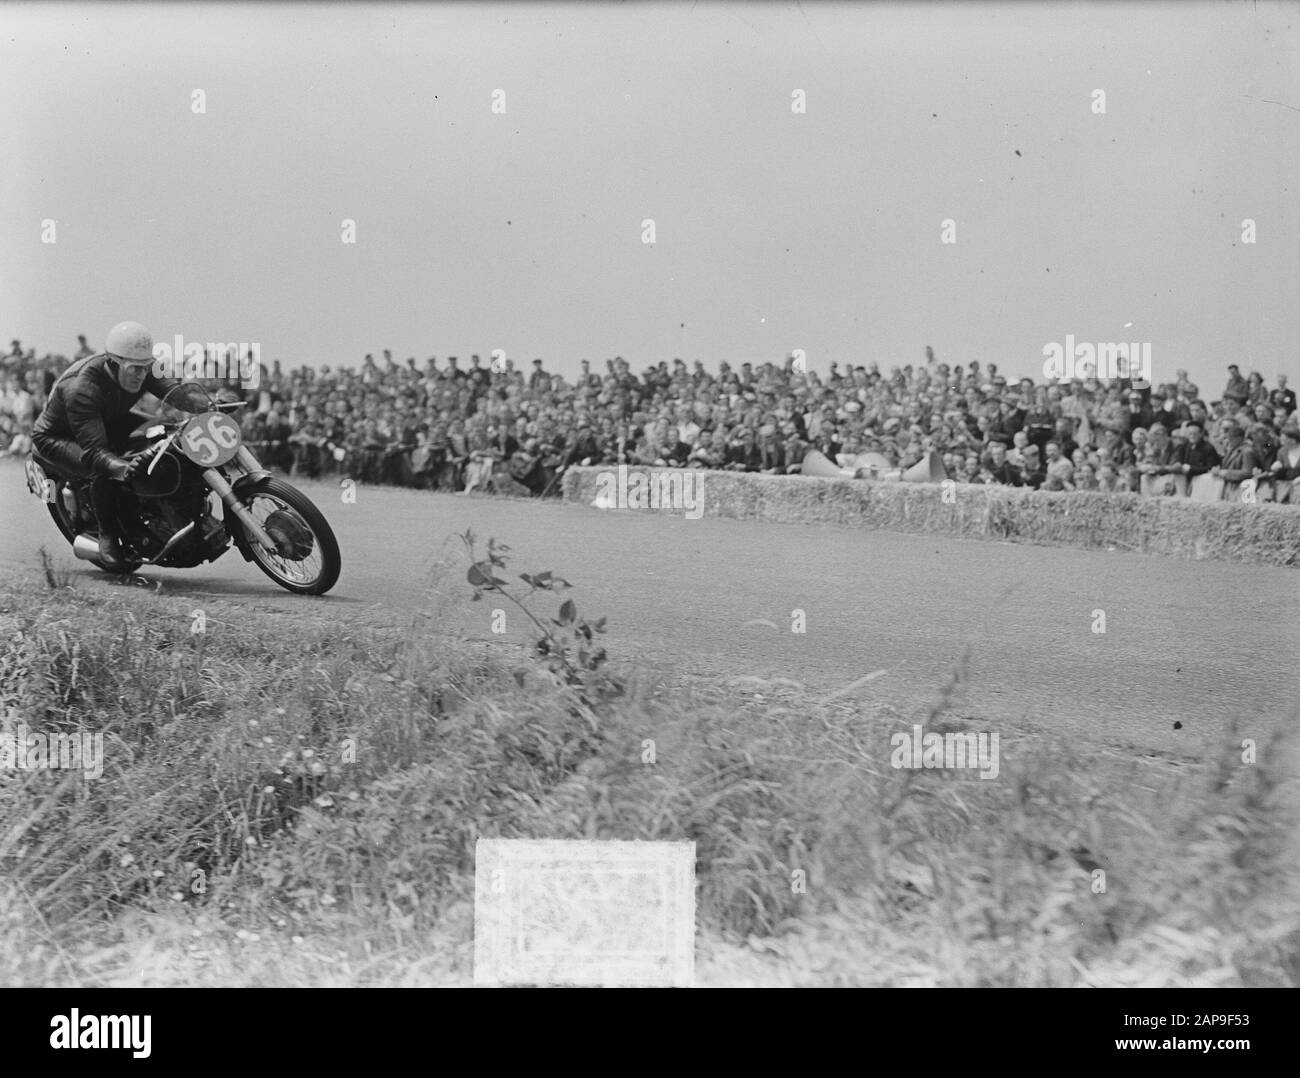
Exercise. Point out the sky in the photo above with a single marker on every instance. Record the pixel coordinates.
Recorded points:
(522, 230)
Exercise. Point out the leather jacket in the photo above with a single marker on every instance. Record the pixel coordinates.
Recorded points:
(85, 404)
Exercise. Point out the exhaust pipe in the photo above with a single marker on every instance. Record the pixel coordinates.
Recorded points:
(85, 548)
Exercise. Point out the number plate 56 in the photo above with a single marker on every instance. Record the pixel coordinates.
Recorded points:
(211, 439)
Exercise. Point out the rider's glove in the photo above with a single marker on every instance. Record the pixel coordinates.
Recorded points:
(123, 468)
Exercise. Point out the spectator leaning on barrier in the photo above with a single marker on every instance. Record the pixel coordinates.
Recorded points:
(1059, 473)
(1238, 462)
(1158, 461)
(1016, 454)
(1138, 441)
(1266, 441)
(1285, 469)
(1033, 473)
(1108, 480)
(999, 469)
(1198, 456)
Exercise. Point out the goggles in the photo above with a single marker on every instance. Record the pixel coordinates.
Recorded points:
(133, 364)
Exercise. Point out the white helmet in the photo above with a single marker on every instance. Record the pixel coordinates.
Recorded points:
(130, 343)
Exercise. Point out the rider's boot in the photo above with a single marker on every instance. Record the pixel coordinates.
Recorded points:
(110, 553)
(104, 498)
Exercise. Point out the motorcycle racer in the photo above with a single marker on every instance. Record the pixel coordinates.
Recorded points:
(87, 420)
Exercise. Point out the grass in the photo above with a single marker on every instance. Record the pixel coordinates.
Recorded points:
(294, 798)
(56, 576)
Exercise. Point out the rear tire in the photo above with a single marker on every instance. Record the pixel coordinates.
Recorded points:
(56, 511)
(289, 574)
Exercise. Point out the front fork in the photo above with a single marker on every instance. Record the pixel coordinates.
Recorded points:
(252, 469)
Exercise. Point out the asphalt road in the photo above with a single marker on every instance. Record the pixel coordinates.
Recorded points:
(1192, 643)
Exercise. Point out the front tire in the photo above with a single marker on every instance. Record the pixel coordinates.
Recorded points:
(313, 574)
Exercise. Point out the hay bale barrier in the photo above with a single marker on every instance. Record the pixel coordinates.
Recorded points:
(1263, 534)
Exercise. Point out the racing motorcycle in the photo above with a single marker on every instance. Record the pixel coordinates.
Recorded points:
(195, 490)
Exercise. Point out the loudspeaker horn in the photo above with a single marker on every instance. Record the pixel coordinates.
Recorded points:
(818, 463)
(929, 469)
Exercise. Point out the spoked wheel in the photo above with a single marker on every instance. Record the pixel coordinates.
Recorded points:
(306, 560)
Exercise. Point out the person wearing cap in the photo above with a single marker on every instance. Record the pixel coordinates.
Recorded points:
(1039, 423)
(453, 373)
(1236, 387)
(1239, 459)
(539, 381)
(83, 430)
(1139, 413)
(1010, 418)
(1121, 453)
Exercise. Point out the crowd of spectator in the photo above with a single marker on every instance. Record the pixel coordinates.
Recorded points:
(448, 426)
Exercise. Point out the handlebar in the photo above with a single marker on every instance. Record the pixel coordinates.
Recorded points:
(195, 398)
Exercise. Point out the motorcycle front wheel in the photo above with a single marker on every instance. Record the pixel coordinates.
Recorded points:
(292, 516)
